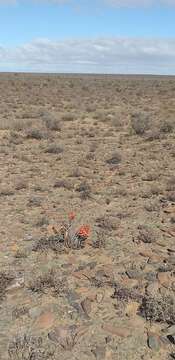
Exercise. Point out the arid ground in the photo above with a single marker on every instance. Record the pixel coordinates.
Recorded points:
(100, 149)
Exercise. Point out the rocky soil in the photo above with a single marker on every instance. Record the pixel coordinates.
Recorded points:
(101, 148)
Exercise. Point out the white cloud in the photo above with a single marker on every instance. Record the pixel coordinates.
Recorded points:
(102, 55)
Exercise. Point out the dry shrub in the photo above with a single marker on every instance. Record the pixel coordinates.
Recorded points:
(54, 149)
(51, 122)
(35, 133)
(63, 183)
(115, 159)
(107, 222)
(125, 294)
(152, 135)
(85, 190)
(140, 123)
(159, 309)
(20, 184)
(28, 347)
(146, 234)
(50, 280)
(167, 126)
(6, 191)
(5, 280)
(68, 117)
(53, 242)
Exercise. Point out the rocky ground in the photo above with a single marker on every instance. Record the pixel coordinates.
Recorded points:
(102, 147)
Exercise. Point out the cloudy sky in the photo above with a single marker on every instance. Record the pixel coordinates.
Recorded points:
(94, 36)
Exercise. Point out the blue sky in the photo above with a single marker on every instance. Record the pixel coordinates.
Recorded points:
(88, 36)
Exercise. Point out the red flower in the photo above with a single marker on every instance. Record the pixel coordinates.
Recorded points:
(84, 231)
(71, 216)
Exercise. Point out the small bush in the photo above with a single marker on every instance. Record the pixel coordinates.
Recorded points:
(146, 234)
(51, 122)
(35, 133)
(5, 280)
(107, 222)
(34, 201)
(63, 184)
(152, 135)
(20, 184)
(68, 117)
(27, 347)
(159, 309)
(167, 126)
(54, 149)
(85, 190)
(140, 123)
(50, 280)
(115, 159)
(6, 191)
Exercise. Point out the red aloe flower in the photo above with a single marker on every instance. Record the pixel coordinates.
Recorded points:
(71, 216)
(84, 231)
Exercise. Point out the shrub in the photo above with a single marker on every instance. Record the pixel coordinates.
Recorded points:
(107, 222)
(28, 347)
(146, 234)
(140, 123)
(5, 280)
(49, 280)
(68, 117)
(62, 183)
(115, 159)
(159, 309)
(35, 133)
(51, 122)
(84, 189)
(54, 149)
(167, 126)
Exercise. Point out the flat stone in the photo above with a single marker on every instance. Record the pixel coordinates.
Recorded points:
(153, 342)
(134, 274)
(116, 330)
(45, 321)
(165, 279)
(169, 331)
(35, 312)
(86, 306)
(150, 276)
(99, 352)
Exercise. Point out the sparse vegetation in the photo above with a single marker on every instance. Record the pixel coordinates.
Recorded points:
(100, 149)
(140, 122)
(159, 309)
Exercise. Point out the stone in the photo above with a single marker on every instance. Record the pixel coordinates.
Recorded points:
(99, 297)
(169, 331)
(63, 335)
(134, 274)
(116, 330)
(35, 312)
(153, 342)
(99, 352)
(150, 276)
(86, 306)
(45, 321)
(165, 279)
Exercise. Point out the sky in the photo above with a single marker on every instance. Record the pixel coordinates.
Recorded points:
(88, 36)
